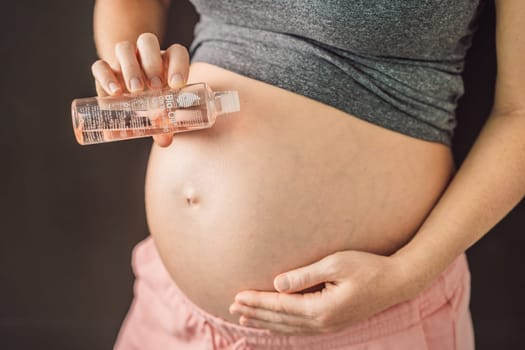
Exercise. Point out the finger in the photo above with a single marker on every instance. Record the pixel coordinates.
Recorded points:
(152, 65)
(129, 65)
(178, 61)
(308, 276)
(274, 327)
(100, 90)
(105, 78)
(163, 140)
(272, 316)
(150, 59)
(292, 304)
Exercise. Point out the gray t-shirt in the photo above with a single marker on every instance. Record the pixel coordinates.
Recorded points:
(393, 63)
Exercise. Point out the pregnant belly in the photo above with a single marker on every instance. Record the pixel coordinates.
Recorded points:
(281, 184)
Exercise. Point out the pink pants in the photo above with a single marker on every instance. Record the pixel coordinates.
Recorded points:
(162, 317)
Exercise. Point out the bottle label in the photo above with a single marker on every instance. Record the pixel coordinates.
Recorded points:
(170, 106)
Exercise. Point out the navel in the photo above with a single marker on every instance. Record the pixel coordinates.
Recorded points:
(190, 194)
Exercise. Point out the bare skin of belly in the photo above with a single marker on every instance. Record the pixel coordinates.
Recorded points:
(281, 184)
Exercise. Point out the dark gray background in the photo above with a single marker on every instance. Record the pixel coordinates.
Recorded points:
(70, 215)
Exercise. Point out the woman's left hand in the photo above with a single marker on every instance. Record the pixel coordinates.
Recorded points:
(357, 285)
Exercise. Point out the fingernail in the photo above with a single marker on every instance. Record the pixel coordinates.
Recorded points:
(240, 299)
(156, 82)
(282, 284)
(176, 80)
(113, 87)
(135, 84)
(245, 321)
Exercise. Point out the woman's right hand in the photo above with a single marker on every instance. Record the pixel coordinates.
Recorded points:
(143, 65)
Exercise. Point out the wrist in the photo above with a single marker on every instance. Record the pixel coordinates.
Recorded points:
(404, 282)
(408, 282)
(416, 268)
(421, 261)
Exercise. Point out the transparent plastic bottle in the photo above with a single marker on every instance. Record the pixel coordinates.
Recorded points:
(113, 118)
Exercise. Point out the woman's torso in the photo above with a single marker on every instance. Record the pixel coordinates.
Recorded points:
(294, 176)
(283, 183)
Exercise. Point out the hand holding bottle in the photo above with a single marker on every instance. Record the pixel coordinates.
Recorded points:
(134, 100)
(143, 66)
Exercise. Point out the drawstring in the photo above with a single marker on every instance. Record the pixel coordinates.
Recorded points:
(216, 342)
(240, 344)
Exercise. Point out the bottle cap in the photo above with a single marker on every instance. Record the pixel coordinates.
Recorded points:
(229, 102)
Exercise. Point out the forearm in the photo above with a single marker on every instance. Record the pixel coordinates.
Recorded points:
(120, 20)
(487, 186)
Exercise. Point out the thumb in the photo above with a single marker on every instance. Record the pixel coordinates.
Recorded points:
(306, 276)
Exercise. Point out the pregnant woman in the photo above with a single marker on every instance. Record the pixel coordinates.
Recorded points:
(328, 212)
